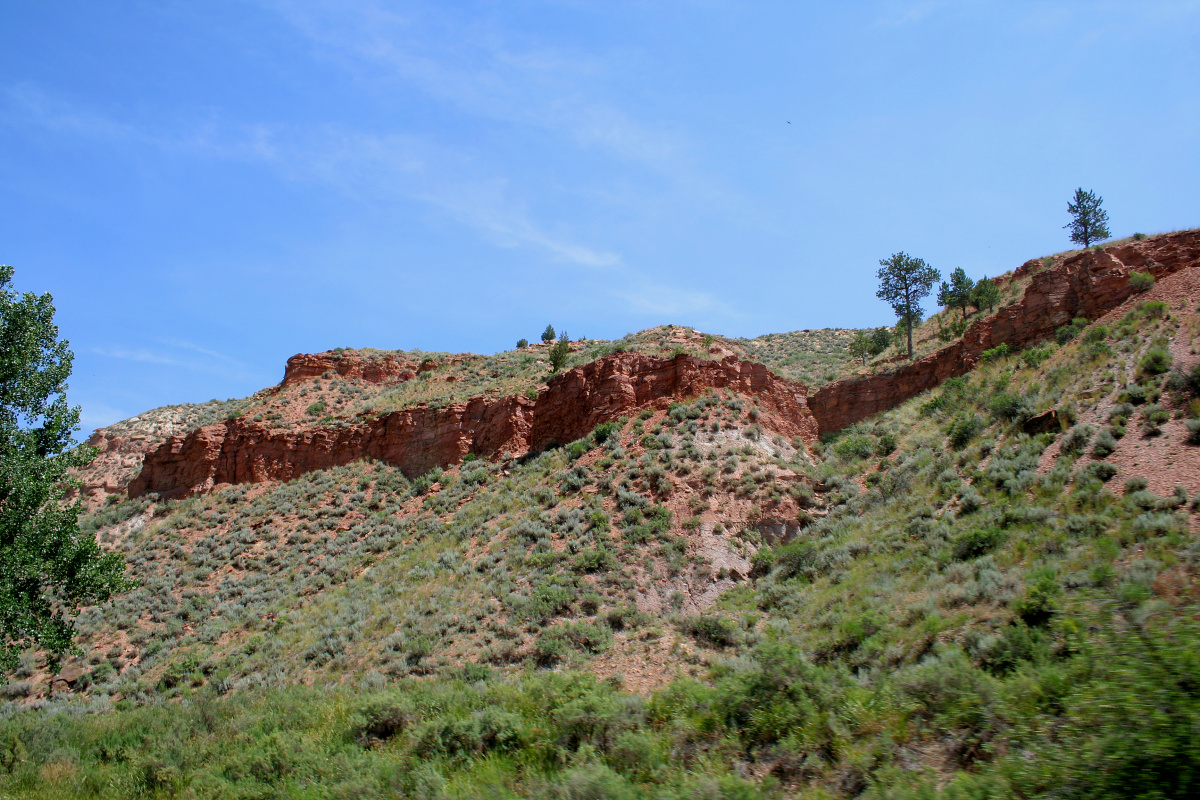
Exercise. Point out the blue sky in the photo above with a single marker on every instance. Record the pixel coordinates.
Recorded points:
(208, 188)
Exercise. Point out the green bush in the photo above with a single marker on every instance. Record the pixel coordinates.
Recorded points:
(1065, 334)
(1141, 281)
(554, 643)
(963, 429)
(711, 630)
(996, 353)
(1104, 445)
(977, 542)
(1156, 361)
(1007, 407)
(854, 446)
(316, 408)
(604, 431)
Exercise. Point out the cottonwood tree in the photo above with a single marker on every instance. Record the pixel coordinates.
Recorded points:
(903, 282)
(1089, 221)
(48, 568)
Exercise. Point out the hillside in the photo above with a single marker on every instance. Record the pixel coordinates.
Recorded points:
(672, 570)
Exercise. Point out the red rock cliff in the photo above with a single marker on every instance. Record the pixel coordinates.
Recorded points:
(416, 440)
(1088, 284)
(372, 369)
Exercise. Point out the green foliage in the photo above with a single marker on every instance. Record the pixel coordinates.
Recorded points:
(854, 446)
(996, 353)
(604, 431)
(710, 629)
(963, 429)
(977, 542)
(48, 567)
(554, 643)
(560, 351)
(1089, 222)
(881, 339)
(1140, 281)
(958, 292)
(1034, 356)
(986, 294)
(860, 346)
(522, 344)
(548, 335)
(1156, 361)
(903, 282)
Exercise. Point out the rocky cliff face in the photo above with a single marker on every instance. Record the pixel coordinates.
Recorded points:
(418, 439)
(1088, 284)
(372, 369)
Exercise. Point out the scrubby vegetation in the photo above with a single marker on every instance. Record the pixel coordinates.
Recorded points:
(964, 597)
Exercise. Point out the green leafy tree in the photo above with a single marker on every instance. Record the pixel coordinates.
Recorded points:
(522, 344)
(860, 346)
(986, 294)
(881, 339)
(956, 293)
(903, 282)
(548, 334)
(560, 352)
(48, 568)
(1089, 221)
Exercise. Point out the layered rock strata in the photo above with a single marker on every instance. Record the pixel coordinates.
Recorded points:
(1088, 284)
(419, 439)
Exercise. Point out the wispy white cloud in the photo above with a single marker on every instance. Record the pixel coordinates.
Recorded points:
(660, 299)
(471, 66)
(368, 167)
(143, 356)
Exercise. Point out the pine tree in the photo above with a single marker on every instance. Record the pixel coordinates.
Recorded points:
(560, 352)
(548, 334)
(1090, 221)
(860, 346)
(48, 568)
(986, 294)
(903, 282)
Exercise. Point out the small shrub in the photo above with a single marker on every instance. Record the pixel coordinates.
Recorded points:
(1141, 281)
(1156, 361)
(522, 344)
(1153, 416)
(996, 353)
(856, 446)
(1034, 356)
(1065, 334)
(554, 643)
(886, 445)
(315, 409)
(1104, 445)
(1076, 440)
(604, 431)
(711, 630)
(963, 429)
(977, 542)
(1006, 407)
(1193, 428)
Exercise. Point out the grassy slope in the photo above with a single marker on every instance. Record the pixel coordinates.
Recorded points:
(980, 611)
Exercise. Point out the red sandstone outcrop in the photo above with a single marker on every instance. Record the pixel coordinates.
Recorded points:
(372, 368)
(418, 439)
(1087, 284)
